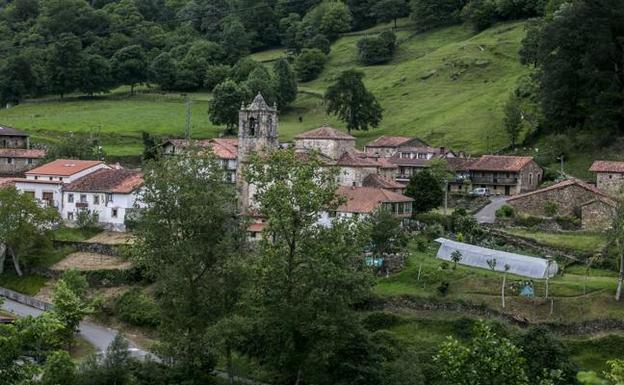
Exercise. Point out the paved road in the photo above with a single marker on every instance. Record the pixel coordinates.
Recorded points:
(98, 336)
(488, 213)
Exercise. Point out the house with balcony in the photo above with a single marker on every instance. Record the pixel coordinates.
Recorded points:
(361, 202)
(109, 194)
(501, 174)
(411, 160)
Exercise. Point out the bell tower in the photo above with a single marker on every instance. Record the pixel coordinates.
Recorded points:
(257, 133)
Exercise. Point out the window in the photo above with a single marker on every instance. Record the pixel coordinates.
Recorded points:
(114, 213)
(252, 127)
(530, 178)
(109, 198)
(51, 178)
(61, 178)
(83, 198)
(96, 199)
(70, 215)
(10, 160)
(36, 177)
(70, 198)
(30, 161)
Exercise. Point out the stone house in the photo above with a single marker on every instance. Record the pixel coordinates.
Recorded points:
(329, 141)
(609, 176)
(354, 169)
(224, 149)
(361, 202)
(16, 156)
(387, 146)
(501, 174)
(411, 160)
(571, 197)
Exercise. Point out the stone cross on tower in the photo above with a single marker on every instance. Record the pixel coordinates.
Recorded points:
(257, 133)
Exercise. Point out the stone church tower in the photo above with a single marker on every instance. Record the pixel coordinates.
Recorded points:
(257, 133)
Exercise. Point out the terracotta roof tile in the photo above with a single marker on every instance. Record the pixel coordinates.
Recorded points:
(108, 181)
(64, 167)
(501, 163)
(22, 153)
(223, 148)
(10, 131)
(349, 159)
(7, 182)
(460, 164)
(325, 132)
(367, 199)
(392, 141)
(607, 166)
(376, 180)
(562, 184)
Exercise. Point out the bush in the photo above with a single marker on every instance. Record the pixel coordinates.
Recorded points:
(87, 219)
(528, 221)
(481, 14)
(505, 212)
(430, 14)
(215, 74)
(376, 49)
(381, 320)
(309, 64)
(443, 288)
(433, 231)
(551, 209)
(432, 218)
(137, 309)
(568, 223)
(319, 42)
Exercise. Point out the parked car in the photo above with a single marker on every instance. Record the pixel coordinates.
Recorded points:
(480, 192)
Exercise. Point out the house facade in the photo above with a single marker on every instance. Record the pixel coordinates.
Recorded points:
(16, 156)
(225, 151)
(387, 146)
(609, 176)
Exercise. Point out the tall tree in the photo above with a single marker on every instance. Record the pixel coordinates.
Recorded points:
(163, 71)
(22, 222)
(486, 359)
(234, 36)
(186, 237)
(286, 83)
(129, 66)
(349, 99)
(64, 64)
(96, 75)
(307, 278)
(69, 308)
(17, 79)
(227, 98)
(426, 191)
(390, 10)
(513, 119)
(260, 80)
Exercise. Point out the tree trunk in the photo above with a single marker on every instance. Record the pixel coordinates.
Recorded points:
(395, 24)
(131, 89)
(2, 256)
(18, 269)
(230, 366)
(298, 381)
(503, 290)
(618, 292)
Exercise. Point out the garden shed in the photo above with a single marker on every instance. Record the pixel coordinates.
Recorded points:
(476, 256)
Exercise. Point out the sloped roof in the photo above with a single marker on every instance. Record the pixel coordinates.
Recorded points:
(393, 141)
(64, 167)
(10, 131)
(378, 181)
(21, 153)
(325, 132)
(607, 201)
(349, 159)
(607, 166)
(223, 148)
(563, 184)
(460, 164)
(108, 181)
(366, 200)
(259, 104)
(501, 163)
(7, 182)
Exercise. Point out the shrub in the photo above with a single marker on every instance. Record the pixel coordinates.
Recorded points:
(376, 49)
(527, 221)
(443, 288)
(137, 309)
(568, 223)
(551, 209)
(319, 42)
(87, 219)
(481, 14)
(433, 231)
(432, 218)
(381, 320)
(421, 243)
(309, 64)
(215, 74)
(505, 212)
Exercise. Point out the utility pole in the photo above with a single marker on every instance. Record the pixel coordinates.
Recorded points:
(187, 123)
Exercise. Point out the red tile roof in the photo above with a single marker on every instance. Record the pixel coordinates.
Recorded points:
(325, 132)
(501, 163)
(349, 159)
(64, 167)
(607, 166)
(108, 181)
(392, 141)
(460, 164)
(563, 184)
(223, 148)
(21, 153)
(376, 180)
(7, 182)
(10, 131)
(367, 199)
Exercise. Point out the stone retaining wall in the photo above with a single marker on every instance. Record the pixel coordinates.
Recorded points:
(89, 247)
(25, 299)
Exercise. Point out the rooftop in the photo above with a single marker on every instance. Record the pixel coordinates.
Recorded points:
(10, 131)
(562, 184)
(325, 132)
(64, 167)
(223, 148)
(376, 180)
(393, 141)
(607, 166)
(121, 181)
(366, 200)
(501, 163)
(349, 159)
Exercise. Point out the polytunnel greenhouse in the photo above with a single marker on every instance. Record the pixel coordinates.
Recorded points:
(477, 256)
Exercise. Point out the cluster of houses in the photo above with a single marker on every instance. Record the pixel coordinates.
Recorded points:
(369, 179)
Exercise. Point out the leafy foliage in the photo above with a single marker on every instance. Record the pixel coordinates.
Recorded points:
(377, 49)
(426, 191)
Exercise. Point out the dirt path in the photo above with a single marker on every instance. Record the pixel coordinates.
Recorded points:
(91, 261)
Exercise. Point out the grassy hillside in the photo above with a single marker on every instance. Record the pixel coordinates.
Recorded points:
(447, 86)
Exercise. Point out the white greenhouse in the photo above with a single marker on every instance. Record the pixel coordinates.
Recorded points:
(477, 256)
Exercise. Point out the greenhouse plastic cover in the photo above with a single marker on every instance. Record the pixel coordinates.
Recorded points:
(477, 256)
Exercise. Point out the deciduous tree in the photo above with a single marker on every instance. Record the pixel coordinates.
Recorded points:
(129, 66)
(426, 191)
(227, 98)
(286, 83)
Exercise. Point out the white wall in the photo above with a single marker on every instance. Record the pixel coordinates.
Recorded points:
(120, 202)
(39, 188)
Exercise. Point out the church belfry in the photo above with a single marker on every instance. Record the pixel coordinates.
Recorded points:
(257, 133)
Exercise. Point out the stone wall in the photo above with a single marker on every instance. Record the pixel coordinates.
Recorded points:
(354, 176)
(530, 177)
(18, 166)
(597, 216)
(568, 200)
(88, 247)
(611, 183)
(332, 148)
(13, 142)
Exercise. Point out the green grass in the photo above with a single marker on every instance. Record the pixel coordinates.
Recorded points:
(460, 105)
(592, 353)
(582, 242)
(27, 284)
(74, 234)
